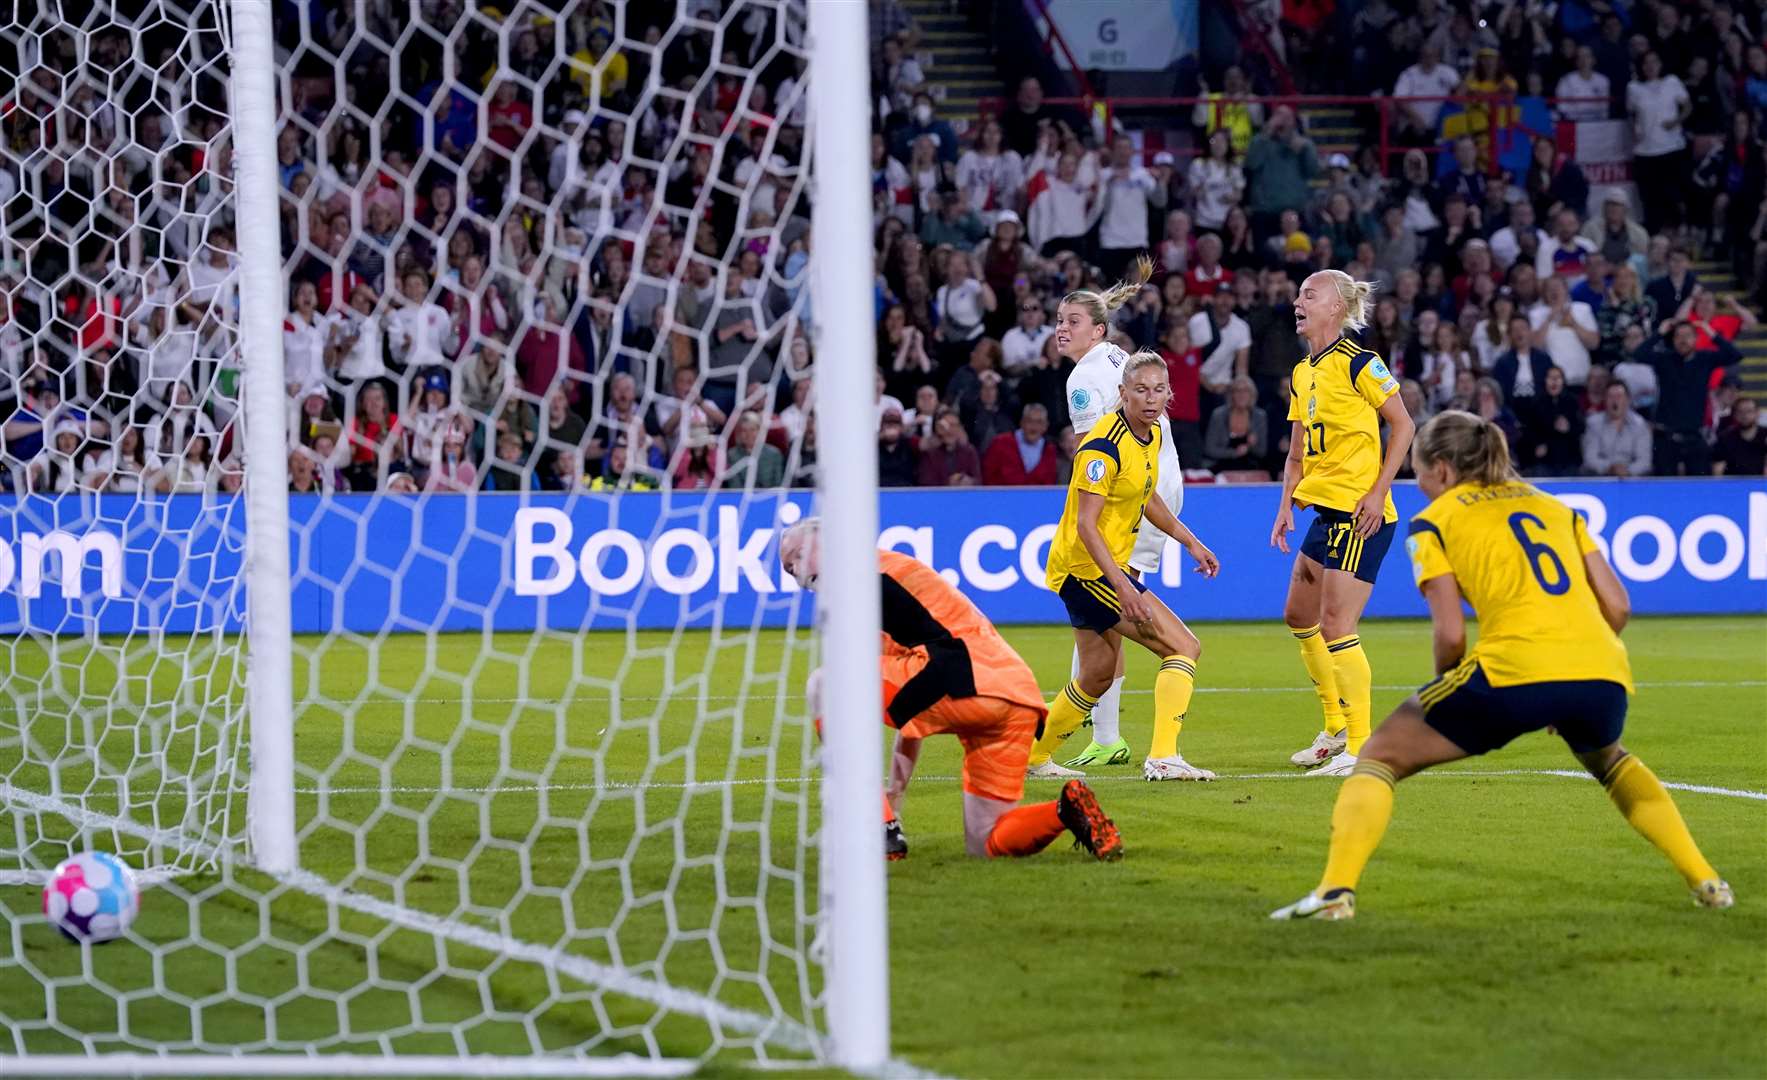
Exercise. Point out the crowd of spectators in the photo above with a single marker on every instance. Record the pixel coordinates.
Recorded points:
(559, 260)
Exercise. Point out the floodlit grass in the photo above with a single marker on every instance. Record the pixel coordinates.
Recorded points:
(599, 795)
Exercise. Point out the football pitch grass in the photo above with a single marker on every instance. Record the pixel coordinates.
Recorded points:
(1511, 923)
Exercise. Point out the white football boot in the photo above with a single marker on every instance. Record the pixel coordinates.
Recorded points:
(1049, 770)
(1324, 746)
(1334, 906)
(1341, 765)
(1173, 768)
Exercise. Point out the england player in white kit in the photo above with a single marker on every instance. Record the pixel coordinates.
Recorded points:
(1094, 391)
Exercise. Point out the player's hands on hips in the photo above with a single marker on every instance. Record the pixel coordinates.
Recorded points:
(1285, 524)
(1136, 607)
(1368, 513)
(1206, 563)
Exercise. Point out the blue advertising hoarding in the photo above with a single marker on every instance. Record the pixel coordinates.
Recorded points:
(369, 563)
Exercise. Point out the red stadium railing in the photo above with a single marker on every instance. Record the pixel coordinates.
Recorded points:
(1053, 39)
(1493, 119)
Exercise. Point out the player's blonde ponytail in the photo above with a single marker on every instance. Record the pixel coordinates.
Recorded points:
(1355, 295)
(1472, 446)
(1099, 306)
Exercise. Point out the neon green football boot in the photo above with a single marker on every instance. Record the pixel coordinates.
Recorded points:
(1116, 753)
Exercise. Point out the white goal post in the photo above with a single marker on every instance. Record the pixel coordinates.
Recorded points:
(457, 761)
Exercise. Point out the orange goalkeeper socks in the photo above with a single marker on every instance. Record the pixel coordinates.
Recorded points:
(1025, 831)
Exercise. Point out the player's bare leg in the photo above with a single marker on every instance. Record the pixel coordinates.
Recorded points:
(1165, 635)
(1404, 745)
(1342, 597)
(1301, 611)
(1100, 656)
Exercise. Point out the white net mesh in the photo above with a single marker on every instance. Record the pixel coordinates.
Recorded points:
(551, 795)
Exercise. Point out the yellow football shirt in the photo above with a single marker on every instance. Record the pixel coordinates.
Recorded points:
(1517, 554)
(1115, 464)
(1337, 397)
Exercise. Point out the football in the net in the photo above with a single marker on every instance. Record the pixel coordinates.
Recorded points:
(92, 897)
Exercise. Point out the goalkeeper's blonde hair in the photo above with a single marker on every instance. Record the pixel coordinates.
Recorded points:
(1100, 305)
(1355, 295)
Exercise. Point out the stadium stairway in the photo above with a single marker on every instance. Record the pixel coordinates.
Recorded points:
(957, 60)
(1752, 343)
(1333, 129)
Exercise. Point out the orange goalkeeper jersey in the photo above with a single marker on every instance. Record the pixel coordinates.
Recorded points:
(937, 645)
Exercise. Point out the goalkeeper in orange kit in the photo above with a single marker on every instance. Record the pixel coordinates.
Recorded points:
(946, 670)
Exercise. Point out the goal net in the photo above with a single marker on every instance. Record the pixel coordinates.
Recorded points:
(546, 335)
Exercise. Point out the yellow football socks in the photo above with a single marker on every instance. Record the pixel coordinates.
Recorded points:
(1325, 680)
(1364, 806)
(1649, 809)
(1355, 685)
(1172, 688)
(1067, 712)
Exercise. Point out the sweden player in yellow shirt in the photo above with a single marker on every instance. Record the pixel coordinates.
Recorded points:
(1549, 655)
(1116, 477)
(1339, 395)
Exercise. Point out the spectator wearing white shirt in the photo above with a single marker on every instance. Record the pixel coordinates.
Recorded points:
(887, 403)
(1658, 105)
(418, 329)
(1565, 254)
(902, 77)
(962, 303)
(918, 421)
(128, 467)
(1226, 342)
(1443, 359)
(209, 291)
(1506, 242)
(1428, 78)
(795, 103)
(1217, 183)
(1063, 209)
(558, 162)
(796, 416)
(181, 423)
(1023, 344)
(357, 339)
(892, 196)
(993, 177)
(425, 420)
(304, 336)
(1128, 190)
(170, 346)
(1566, 329)
(56, 470)
(189, 474)
(1583, 82)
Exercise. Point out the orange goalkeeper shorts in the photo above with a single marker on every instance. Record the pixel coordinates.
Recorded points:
(996, 737)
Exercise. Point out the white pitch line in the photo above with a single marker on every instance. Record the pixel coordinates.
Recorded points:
(597, 694)
(788, 781)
